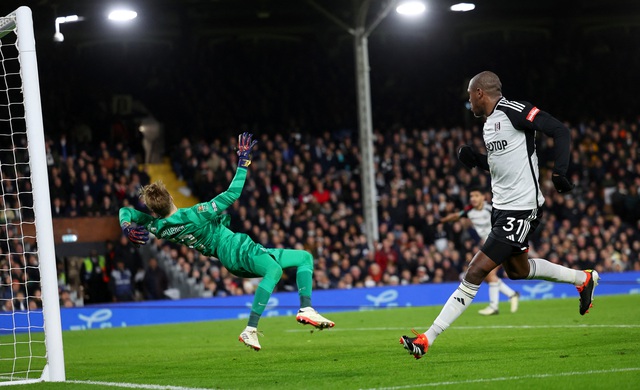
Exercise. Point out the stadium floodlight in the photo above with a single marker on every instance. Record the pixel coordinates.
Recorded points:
(411, 8)
(58, 37)
(463, 7)
(122, 15)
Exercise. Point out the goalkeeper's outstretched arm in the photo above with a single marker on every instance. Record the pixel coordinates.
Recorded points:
(129, 215)
(226, 199)
(138, 235)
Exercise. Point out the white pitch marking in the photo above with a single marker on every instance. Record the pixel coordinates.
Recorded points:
(584, 326)
(510, 378)
(138, 386)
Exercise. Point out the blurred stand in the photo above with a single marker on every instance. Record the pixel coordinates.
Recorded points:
(152, 142)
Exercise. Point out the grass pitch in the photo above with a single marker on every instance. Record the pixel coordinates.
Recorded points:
(546, 344)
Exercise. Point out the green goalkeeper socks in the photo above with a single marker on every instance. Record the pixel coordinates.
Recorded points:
(260, 300)
(253, 319)
(305, 301)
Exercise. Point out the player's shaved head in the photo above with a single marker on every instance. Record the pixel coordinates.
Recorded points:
(487, 81)
(485, 90)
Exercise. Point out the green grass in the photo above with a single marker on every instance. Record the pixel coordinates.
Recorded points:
(547, 344)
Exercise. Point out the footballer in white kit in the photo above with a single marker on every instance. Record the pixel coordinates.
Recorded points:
(509, 135)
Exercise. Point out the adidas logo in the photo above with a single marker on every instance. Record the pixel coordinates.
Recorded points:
(461, 300)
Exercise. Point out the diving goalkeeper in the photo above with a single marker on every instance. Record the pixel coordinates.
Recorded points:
(204, 228)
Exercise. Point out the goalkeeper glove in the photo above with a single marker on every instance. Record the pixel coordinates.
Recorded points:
(244, 149)
(561, 183)
(137, 235)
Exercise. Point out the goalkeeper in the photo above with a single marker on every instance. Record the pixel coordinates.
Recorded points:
(204, 228)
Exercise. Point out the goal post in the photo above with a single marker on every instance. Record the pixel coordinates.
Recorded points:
(37, 333)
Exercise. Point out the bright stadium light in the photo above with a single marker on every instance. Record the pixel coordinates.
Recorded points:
(58, 37)
(117, 15)
(122, 15)
(463, 7)
(411, 8)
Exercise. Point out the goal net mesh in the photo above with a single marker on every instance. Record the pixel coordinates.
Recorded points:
(22, 337)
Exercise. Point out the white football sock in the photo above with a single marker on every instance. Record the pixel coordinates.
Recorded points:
(546, 270)
(456, 305)
(506, 290)
(494, 295)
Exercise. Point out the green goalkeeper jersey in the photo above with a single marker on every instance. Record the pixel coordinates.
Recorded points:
(203, 227)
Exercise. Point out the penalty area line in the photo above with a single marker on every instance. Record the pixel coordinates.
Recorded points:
(136, 385)
(510, 378)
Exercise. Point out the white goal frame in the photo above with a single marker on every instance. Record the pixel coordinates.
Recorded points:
(54, 369)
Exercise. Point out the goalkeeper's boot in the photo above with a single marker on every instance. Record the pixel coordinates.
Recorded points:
(586, 290)
(249, 337)
(309, 316)
(417, 346)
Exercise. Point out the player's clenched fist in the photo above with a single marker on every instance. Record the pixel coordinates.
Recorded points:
(467, 156)
(561, 183)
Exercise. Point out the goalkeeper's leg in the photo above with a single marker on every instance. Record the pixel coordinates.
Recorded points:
(303, 261)
(265, 266)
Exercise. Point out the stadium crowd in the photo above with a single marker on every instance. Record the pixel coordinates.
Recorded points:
(304, 192)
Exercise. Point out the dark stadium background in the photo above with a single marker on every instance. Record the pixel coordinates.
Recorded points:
(207, 70)
(217, 66)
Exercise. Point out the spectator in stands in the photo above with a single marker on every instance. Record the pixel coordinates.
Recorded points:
(58, 190)
(73, 209)
(155, 281)
(127, 252)
(7, 305)
(65, 299)
(120, 283)
(89, 208)
(107, 207)
(57, 208)
(95, 278)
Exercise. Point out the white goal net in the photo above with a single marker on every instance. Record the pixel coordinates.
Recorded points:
(30, 331)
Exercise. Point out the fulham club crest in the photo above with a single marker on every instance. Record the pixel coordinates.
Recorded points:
(497, 126)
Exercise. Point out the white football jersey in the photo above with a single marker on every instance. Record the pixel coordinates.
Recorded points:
(481, 219)
(511, 154)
